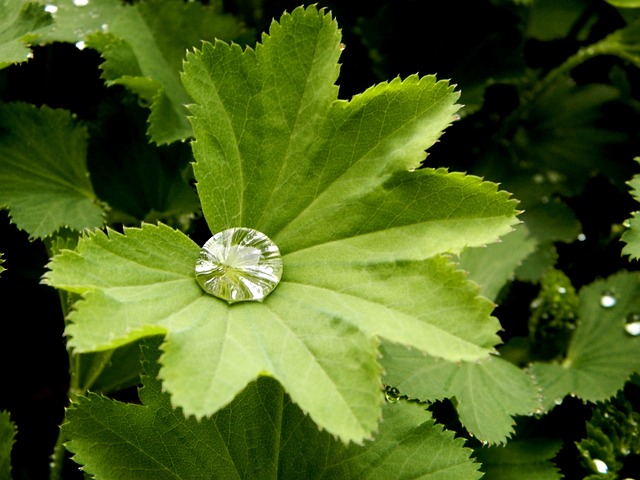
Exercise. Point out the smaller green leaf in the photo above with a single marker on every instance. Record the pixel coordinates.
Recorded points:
(7, 439)
(528, 459)
(601, 355)
(488, 393)
(20, 24)
(624, 3)
(44, 180)
(493, 266)
(2, 269)
(632, 236)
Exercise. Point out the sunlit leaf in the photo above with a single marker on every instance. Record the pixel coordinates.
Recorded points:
(364, 238)
(488, 393)
(44, 182)
(602, 355)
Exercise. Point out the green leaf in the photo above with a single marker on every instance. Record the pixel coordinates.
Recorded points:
(7, 438)
(262, 434)
(20, 24)
(44, 181)
(601, 354)
(493, 266)
(363, 239)
(625, 3)
(528, 459)
(143, 46)
(488, 393)
(632, 236)
(2, 269)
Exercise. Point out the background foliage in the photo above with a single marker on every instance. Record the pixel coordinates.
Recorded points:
(94, 132)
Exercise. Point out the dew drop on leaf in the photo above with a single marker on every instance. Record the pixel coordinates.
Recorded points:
(81, 3)
(51, 8)
(239, 264)
(391, 394)
(601, 467)
(80, 45)
(632, 324)
(608, 300)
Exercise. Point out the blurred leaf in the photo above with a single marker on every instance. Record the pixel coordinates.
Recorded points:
(44, 181)
(530, 459)
(553, 19)
(488, 392)
(7, 439)
(625, 3)
(632, 236)
(601, 355)
(20, 24)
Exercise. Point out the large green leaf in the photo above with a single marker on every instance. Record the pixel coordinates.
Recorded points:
(20, 24)
(601, 354)
(44, 180)
(143, 46)
(363, 237)
(261, 434)
(488, 393)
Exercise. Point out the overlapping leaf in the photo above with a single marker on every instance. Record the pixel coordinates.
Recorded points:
(361, 235)
(20, 24)
(44, 181)
(7, 438)
(601, 354)
(261, 434)
(143, 46)
(488, 393)
(530, 458)
(632, 236)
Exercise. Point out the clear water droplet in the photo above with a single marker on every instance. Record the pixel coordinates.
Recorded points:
(562, 290)
(239, 264)
(104, 27)
(558, 401)
(601, 467)
(80, 45)
(392, 394)
(81, 3)
(582, 237)
(608, 300)
(51, 8)
(632, 324)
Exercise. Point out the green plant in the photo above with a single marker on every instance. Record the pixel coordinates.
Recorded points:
(428, 324)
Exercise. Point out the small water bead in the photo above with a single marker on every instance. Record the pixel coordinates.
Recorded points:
(80, 45)
(392, 394)
(51, 8)
(601, 467)
(608, 300)
(582, 237)
(81, 3)
(239, 264)
(632, 324)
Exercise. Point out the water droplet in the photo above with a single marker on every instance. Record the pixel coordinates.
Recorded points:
(607, 300)
(342, 46)
(80, 45)
(538, 178)
(391, 394)
(582, 237)
(51, 8)
(81, 3)
(632, 324)
(456, 117)
(104, 27)
(239, 264)
(558, 401)
(601, 467)
(562, 290)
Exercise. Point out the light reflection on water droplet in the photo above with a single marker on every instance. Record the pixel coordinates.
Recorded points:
(601, 467)
(80, 45)
(239, 264)
(81, 3)
(608, 300)
(632, 324)
(51, 8)
(582, 237)
(104, 27)
(392, 394)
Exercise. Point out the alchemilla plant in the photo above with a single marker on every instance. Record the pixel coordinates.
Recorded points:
(260, 273)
